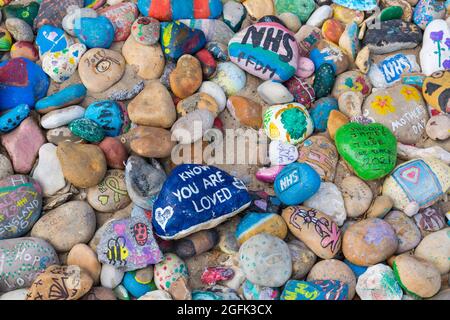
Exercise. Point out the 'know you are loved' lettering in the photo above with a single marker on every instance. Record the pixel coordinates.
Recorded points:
(197, 197)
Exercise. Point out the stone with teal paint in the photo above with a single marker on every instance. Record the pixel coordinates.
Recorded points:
(178, 39)
(26, 12)
(253, 291)
(361, 5)
(428, 10)
(87, 130)
(326, 52)
(391, 13)
(301, 8)
(205, 295)
(324, 80)
(70, 95)
(320, 112)
(357, 270)
(315, 290)
(378, 282)
(180, 9)
(296, 183)
(51, 39)
(139, 282)
(253, 223)
(108, 115)
(234, 14)
(11, 119)
(371, 150)
(289, 123)
(95, 32)
(266, 50)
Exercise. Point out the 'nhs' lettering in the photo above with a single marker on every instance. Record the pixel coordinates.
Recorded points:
(394, 67)
(287, 181)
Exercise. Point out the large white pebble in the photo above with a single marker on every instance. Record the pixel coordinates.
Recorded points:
(61, 117)
(110, 277)
(215, 91)
(48, 172)
(319, 16)
(274, 93)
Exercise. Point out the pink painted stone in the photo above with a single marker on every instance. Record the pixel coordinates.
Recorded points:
(305, 68)
(269, 174)
(122, 16)
(22, 145)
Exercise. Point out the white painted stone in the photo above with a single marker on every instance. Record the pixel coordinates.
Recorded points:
(48, 172)
(274, 93)
(61, 117)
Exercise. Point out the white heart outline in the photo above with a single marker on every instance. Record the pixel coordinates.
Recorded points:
(161, 217)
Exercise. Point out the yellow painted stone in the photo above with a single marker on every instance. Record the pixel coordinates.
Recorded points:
(436, 91)
(346, 15)
(259, 8)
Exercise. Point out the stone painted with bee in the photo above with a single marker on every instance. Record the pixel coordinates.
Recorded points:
(128, 244)
(289, 123)
(436, 91)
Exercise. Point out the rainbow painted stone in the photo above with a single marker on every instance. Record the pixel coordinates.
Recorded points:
(289, 123)
(266, 50)
(315, 290)
(422, 181)
(254, 223)
(169, 10)
(5, 40)
(178, 39)
(21, 82)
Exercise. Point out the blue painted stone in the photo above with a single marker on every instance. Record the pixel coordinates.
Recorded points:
(427, 10)
(320, 112)
(178, 39)
(137, 287)
(164, 10)
(51, 39)
(196, 197)
(205, 295)
(68, 96)
(324, 80)
(315, 290)
(87, 130)
(95, 32)
(11, 120)
(21, 82)
(322, 56)
(108, 115)
(296, 183)
(253, 291)
(357, 270)
(274, 60)
(362, 5)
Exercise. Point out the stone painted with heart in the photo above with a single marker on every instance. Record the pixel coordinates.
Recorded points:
(109, 115)
(422, 181)
(21, 82)
(21, 197)
(62, 64)
(315, 290)
(289, 123)
(129, 244)
(296, 183)
(196, 197)
(401, 109)
(263, 56)
(435, 53)
(370, 150)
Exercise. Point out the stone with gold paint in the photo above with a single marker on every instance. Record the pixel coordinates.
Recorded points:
(60, 283)
(400, 108)
(436, 91)
(111, 194)
(419, 181)
(289, 123)
(316, 229)
(321, 154)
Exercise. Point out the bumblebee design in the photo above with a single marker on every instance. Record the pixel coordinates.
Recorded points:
(117, 252)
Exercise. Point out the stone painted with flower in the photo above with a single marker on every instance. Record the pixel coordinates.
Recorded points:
(61, 65)
(256, 51)
(289, 123)
(420, 182)
(400, 108)
(435, 53)
(351, 81)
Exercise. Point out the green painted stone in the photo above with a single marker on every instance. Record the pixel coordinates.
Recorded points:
(391, 13)
(301, 8)
(371, 150)
(324, 80)
(87, 130)
(25, 12)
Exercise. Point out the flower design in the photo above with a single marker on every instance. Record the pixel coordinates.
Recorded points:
(410, 93)
(446, 64)
(437, 35)
(447, 42)
(383, 105)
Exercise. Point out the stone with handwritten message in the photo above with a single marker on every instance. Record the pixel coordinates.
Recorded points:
(111, 194)
(316, 229)
(195, 198)
(388, 71)
(22, 260)
(315, 290)
(420, 181)
(370, 150)
(281, 153)
(266, 50)
(128, 244)
(21, 198)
